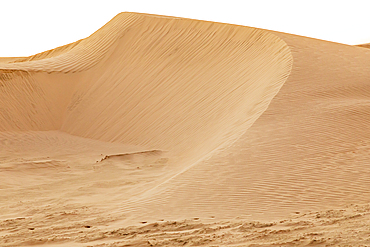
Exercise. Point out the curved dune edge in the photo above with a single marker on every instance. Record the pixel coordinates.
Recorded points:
(300, 148)
(306, 152)
(174, 84)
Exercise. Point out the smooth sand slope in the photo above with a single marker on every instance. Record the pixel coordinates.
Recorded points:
(156, 118)
(308, 151)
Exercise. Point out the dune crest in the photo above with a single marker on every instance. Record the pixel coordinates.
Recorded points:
(167, 83)
(306, 152)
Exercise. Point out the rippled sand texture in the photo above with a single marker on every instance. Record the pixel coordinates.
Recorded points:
(164, 119)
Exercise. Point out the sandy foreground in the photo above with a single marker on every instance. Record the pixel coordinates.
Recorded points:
(164, 131)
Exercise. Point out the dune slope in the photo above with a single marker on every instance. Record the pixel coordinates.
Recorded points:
(162, 119)
(172, 84)
(308, 150)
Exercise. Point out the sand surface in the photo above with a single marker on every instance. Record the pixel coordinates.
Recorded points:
(164, 131)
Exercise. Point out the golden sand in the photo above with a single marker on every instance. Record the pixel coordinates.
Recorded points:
(164, 131)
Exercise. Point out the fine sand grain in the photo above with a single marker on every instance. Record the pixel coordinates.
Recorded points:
(165, 131)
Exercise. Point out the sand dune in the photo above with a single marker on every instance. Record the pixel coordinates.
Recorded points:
(308, 151)
(156, 118)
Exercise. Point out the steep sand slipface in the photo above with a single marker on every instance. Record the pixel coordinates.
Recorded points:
(179, 85)
(173, 84)
(91, 125)
(308, 150)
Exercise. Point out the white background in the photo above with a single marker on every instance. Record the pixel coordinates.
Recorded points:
(31, 26)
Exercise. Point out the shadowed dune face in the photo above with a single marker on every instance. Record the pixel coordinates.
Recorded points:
(165, 83)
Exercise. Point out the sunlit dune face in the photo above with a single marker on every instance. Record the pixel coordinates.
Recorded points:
(168, 131)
